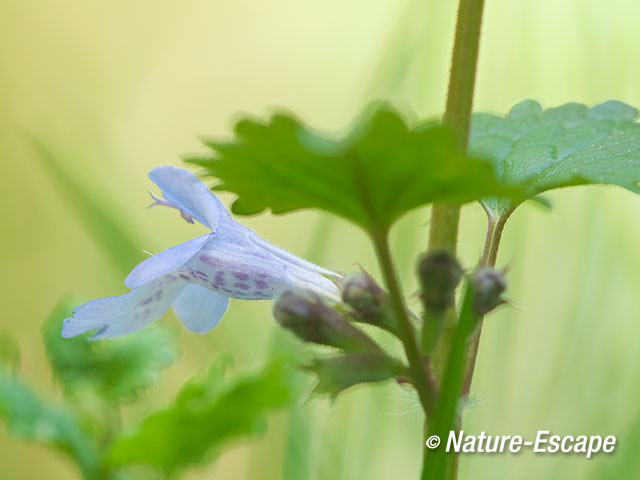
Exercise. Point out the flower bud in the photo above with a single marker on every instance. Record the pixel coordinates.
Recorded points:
(305, 314)
(370, 303)
(439, 273)
(488, 286)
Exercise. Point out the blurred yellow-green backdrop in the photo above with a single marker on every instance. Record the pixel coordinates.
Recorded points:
(115, 88)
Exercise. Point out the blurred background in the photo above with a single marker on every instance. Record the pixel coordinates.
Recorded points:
(115, 88)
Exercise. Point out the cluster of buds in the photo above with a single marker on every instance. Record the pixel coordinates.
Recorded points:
(440, 273)
(361, 360)
(311, 318)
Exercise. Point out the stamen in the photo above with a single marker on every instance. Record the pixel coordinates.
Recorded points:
(165, 203)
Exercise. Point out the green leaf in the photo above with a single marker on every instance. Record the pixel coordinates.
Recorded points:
(113, 370)
(207, 415)
(380, 170)
(9, 351)
(339, 373)
(28, 417)
(567, 145)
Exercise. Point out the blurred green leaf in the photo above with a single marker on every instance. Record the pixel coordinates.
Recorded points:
(206, 416)
(380, 170)
(9, 351)
(114, 370)
(30, 418)
(336, 374)
(97, 215)
(567, 145)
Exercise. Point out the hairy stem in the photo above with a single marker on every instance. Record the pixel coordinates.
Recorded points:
(495, 228)
(463, 69)
(445, 218)
(405, 331)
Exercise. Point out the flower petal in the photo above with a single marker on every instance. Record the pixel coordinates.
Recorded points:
(310, 280)
(165, 261)
(183, 190)
(238, 263)
(289, 257)
(122, 314)
(199, 308)
(234, 267)
(301, 273)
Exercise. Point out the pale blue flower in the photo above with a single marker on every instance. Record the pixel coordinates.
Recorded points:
(198, 277)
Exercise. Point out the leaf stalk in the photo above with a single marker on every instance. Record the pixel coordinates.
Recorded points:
(405, 331)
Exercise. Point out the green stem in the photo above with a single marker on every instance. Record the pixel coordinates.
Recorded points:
(405, 331)
(432, 326)
(445, 218)
(443, 233)
(439, 464)
(495, 228)
(488, 241)
(463, 70)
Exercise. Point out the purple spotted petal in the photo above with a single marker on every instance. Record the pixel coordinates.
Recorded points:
(231, 265)
(300, 272)
(239, 264)
(122, 314)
